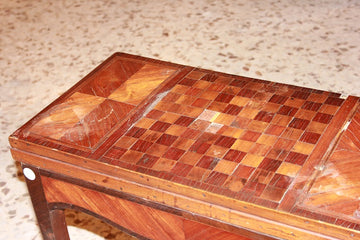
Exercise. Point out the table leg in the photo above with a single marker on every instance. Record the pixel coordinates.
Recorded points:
(51, 222)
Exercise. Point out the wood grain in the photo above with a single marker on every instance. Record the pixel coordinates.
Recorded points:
(238, 153)
(146, 221)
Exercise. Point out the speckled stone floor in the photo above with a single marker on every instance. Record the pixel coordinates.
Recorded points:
(47, 46)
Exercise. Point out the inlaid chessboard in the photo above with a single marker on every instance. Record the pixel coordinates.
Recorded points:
(252, 140)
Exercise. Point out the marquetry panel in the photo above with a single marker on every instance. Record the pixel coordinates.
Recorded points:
(239, 137)
(146, 221)
(93, 111)
(278, 147)
(336, 191)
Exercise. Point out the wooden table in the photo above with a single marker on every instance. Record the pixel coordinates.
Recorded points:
(165, 151)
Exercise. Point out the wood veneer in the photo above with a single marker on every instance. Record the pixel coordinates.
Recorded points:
(245, 156)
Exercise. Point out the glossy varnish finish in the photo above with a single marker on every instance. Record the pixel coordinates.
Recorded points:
(247, 156)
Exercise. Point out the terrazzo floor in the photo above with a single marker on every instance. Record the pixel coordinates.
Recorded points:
(47, 46)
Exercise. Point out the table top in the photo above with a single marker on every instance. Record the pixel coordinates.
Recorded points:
(284, 148)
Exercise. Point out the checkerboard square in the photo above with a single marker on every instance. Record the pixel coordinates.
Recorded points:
(183, 143)
(234, 183)
(292, 133)
(173, 153)
(284, 144)
(216, 178)
(287, 110)
(175, 130)
(310, 137)
(262, 176)
(322, 118)
(250, 113)
(208, 95)
(299, 123)
(317, 97)
(147, 161)
(252, 160)
(208, 162)
(191, 133)
(250, 136)
(190, 158)
(202, 84)
(248, 93)
(259, 149)
(216, 151)
(160, 126)
(305, 114)
(231, 90)
(239, 101)
(115, 153)
(243, 171)
(312, 106)
(316, 127)
(242, 145)
(198, 174)
(281, 120)
(274, 130)
(273, 193)
(328, 109)
(264, 116)
(195, 75)
(185, 100)
(232, 109)
(226, 167)
(201, 103)
(210, 77)
(224, 119)
(223, 97)
(200, 147)
(268, 140)
(254, 188)
(278, 99)
(166, 139)
(155, 114)
(217, 106)
(187, 82)
(334, 101)
(296, 158)
(263, 96)
(184, 121)
(301, 95)
(288, 169)
(216, 87)
(179, 89)
(294, 102)
(145, 123)
(225, 141)
(131, 156)
(234, 155)
(181, 169)
(214, 127)
(270, 164)
(258, 126)
(125, 142)
(169, 117)
(241, 122)
(171, 97)
(271, 107)
(157, 150)
(141, 145)
(239, 83)
(230, 131)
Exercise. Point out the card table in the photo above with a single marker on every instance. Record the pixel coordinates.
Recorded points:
(166, 151)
